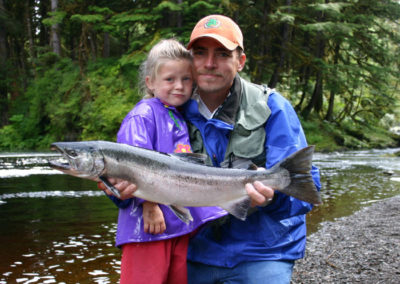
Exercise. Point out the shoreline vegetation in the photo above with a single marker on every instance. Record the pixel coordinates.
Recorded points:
(361, 248)
(69, 68)
(329, 137)
(65, 105)
(326, 136)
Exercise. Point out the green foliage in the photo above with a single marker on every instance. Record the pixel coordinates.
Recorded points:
(111, 99)
(55, 18)
(336, 61)
(65, 106)
(88, 18)
(328, 136)
(167, 5)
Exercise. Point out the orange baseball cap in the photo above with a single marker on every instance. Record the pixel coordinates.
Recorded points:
(220, 28)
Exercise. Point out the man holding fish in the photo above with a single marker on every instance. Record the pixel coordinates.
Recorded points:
(236, 122)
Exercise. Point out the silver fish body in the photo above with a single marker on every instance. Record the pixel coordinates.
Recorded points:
(173, 179)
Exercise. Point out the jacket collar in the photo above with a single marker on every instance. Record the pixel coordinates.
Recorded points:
(228, 110)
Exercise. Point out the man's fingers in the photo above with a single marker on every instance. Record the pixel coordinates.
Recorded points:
(264, 190)
(126, 189)
(260, 194)
(254, 195)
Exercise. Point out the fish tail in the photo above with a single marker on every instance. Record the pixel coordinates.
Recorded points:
(302, 184)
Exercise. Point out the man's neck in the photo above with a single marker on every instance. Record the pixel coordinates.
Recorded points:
(213, 100)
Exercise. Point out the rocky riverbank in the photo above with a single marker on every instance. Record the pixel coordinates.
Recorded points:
(362, 248)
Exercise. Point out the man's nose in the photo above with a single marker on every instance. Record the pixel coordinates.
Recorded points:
(210, 61)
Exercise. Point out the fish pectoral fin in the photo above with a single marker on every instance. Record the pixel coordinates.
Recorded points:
(238, 207)
(110, 186)
(182, 213)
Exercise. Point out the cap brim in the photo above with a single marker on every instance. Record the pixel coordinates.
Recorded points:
(225, 42)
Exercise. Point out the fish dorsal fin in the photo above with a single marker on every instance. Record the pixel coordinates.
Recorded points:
(239, 163)
(195, 158)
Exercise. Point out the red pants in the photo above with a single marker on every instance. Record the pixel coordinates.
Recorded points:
(156, 262)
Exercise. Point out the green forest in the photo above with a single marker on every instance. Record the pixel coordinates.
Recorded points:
(69, 67)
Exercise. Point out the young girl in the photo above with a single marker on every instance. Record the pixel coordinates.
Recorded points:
(153, 240)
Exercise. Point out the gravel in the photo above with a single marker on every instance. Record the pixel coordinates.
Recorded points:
(361, 248)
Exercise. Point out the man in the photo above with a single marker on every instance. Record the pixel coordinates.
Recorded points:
(232, 120)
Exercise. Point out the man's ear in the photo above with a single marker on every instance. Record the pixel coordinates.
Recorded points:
(242, 61)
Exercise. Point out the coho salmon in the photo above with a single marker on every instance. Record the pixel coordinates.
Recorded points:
(182, 180)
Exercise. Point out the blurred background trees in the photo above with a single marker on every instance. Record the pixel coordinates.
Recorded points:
(69, 67)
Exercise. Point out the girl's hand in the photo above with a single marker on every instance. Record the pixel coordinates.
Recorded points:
(153, 218)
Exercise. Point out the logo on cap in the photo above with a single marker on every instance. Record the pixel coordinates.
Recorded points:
(212, 23)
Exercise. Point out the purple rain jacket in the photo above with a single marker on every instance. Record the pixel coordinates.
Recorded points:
(156, 126)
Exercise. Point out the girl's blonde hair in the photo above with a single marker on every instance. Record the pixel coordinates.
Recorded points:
(165, 50)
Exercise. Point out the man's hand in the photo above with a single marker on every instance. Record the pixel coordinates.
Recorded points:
(125, 188)
(153, 218)
(260, 194)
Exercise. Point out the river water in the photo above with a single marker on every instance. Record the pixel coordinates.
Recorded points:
(60, 229)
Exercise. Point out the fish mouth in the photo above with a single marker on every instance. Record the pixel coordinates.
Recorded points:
(60, 163)
(62, 166)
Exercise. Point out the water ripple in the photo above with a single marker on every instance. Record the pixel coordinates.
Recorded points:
(55, 193)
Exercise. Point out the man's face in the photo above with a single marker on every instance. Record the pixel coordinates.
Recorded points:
(215, 66)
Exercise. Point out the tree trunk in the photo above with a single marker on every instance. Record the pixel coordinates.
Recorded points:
(179, 16)
(264, 48)
(3, 36)
(304, 78)
(329, 113)
(317, 98)
(285, 38)
(93, 46)
(28, 19)
(3, 73)
(43, 29)
(55, 37)
(106, 45)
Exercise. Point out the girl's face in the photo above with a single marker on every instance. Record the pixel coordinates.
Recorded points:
(173, 82)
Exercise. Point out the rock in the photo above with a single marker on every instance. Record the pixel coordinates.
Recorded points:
(362, 248)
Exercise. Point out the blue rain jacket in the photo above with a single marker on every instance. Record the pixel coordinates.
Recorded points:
(274, 232)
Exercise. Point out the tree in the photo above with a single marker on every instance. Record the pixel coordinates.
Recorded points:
(55, 38)
(66, 64)
(3, 62)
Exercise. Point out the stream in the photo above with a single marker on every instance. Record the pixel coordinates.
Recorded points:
(60, 229)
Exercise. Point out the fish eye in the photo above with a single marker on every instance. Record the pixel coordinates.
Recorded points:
(72, 153)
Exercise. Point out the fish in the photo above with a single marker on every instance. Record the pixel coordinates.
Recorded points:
(183, 180)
